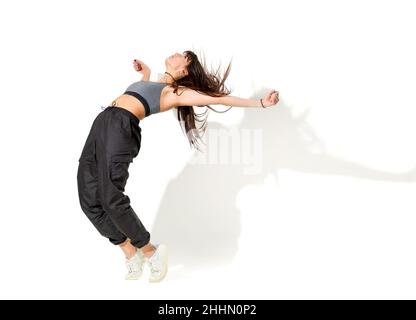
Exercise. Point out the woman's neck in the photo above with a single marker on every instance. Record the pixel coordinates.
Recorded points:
(166, 78)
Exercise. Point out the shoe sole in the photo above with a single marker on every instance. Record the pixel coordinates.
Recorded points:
(133, 278)
(164, 249)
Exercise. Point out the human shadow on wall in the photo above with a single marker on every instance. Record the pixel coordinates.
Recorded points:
(198, 217)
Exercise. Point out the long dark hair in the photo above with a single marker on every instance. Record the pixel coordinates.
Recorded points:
(205, 82)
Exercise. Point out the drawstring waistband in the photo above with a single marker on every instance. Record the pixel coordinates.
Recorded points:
(125, 111)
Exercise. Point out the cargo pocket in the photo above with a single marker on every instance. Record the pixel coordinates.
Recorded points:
(119, 170)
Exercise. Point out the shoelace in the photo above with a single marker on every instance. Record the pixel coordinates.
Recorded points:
(131, 268)
(133, 265)
(155, 266)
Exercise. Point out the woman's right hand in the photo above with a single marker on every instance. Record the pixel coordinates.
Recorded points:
(271, 98)
(140, 66)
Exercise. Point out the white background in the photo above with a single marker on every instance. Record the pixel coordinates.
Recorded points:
(332, 213)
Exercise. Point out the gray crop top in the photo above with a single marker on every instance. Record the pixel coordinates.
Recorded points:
(148, 92)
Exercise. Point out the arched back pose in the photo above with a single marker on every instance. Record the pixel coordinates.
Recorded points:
(114, 141)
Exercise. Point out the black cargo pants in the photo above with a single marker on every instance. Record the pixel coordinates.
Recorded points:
(112, 144)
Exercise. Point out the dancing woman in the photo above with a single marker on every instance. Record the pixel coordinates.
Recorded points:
(114, 141)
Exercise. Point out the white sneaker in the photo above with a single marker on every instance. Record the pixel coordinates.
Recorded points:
(135, 266)
(158, 263)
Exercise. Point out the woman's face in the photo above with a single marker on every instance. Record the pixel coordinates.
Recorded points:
(177, 62)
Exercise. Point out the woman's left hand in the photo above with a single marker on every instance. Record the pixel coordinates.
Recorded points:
(271, 98)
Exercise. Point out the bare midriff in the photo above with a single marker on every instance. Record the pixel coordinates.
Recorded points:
(131, 104)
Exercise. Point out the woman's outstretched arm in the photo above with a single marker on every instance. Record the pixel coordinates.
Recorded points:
(193, 98)
(234, 101)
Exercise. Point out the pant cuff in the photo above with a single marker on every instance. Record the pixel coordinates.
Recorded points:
(118, 241)
(141, 243)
